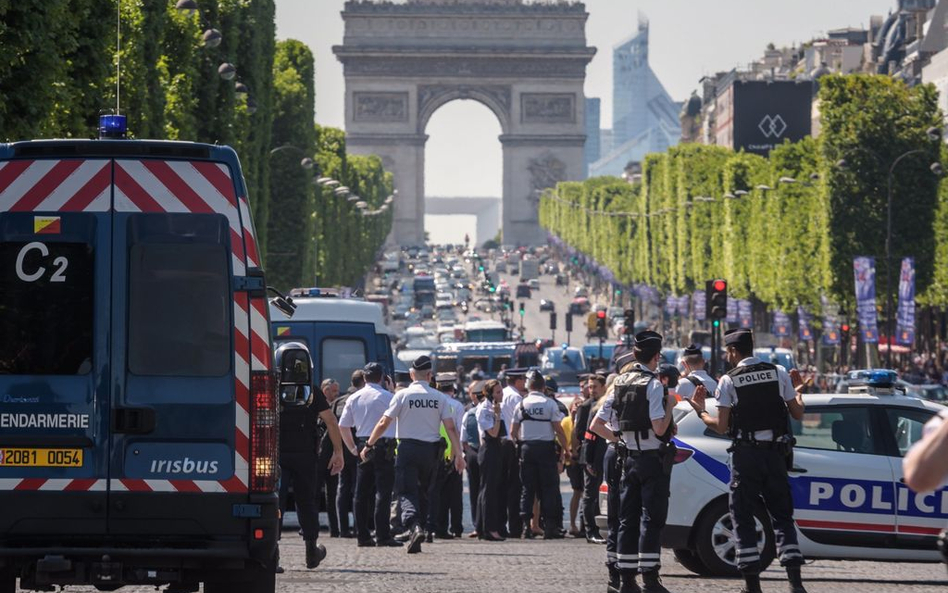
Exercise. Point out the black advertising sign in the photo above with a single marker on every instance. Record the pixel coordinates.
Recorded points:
(768, 113)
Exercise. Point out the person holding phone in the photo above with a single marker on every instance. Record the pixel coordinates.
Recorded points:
(490, 458)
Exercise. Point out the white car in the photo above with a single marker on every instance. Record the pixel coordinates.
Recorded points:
(849, 497)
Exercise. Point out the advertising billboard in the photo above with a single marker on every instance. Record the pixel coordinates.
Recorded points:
(757, 115)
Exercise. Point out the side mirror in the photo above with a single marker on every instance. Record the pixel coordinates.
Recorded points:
(296, 368)
(282, 302)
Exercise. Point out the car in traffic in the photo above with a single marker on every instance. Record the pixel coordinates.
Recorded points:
(933, 392)
(534, 284)
(547, 305)
(563, 363)
(846, 481)
(779, 356)
(596, 360)
(523, 291)
(579, 306)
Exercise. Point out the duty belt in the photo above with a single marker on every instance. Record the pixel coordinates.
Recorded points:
(755, 444)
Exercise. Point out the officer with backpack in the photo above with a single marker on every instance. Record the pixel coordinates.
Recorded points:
(755, 401)
(693, 361)
(537, 427)
(641, 407)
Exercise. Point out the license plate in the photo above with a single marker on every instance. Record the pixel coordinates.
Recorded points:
(40, 457)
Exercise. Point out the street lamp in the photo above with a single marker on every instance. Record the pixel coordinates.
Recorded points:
(241, 90)
(212, 38)
(227, 71)
(764, 188)
(188, 7)
(740, 193)
(730, 196)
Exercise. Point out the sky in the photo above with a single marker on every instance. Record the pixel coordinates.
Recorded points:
(688, 39)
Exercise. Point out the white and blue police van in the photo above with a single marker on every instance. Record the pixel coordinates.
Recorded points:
(850, 500)
(138, 435)
(342, 333)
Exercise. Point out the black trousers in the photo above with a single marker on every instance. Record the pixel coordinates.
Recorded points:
(329, 484)
(345, 494)
(373, 495)
(473, 482)
(492, 499)
(299, 471)
(512, 489)
(590, 500)
(539, 478)
(759, 473)
(643, 508)
(414, 470)
(450, 486)
(612, 475)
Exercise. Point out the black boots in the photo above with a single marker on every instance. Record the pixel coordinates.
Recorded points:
(614, 582)
(652, 583)
(315, 553)
(627, 582)
(796, 580)
(751, 584)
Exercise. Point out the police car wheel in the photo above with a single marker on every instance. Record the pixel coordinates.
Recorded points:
(689, 559)
(715, 544)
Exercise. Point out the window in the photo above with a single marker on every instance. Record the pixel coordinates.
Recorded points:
(469, 362)
(446, 364)
(836, 429)
(906, 426)
(498, 363)
(179, 299)
(46, 311)
(339, 357)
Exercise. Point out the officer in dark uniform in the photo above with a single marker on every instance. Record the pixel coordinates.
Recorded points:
(641, 406)
(418, 411)
(302, 405)
(755, 401)
(345, 494)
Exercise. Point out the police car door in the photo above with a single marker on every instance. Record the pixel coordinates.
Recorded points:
(181, 348)
(54, 328)
(841, 481)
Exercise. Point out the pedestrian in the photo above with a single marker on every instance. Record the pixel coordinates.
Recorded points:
(590, 452)
(643, 412)
(446, 496)
(537, 429)
(330, 486)
(418, 412)
(514, 393)
(471, 443)
(602, 426)
(695, 373)
(574, 471)
(756, 400)
(345, 497)
(301, 406)
(492, 500)
(375, 477)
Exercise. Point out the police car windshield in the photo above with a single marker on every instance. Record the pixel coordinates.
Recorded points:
(46, 311)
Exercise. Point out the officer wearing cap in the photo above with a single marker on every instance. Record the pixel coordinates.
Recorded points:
(695, 375)
(642, 409)
(376, 476)
(669, 375)
(514, 393)
(537, 428)
(755, 401)
(445, 497)
(418, 412)
(471, 442)
(492, 497)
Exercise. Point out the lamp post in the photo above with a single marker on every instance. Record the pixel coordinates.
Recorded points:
(934, 134)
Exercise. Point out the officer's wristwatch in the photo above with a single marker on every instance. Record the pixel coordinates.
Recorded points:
(703, 413)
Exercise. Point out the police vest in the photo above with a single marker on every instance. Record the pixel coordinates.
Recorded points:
(759, 405)
(631, 404)
(298, 429)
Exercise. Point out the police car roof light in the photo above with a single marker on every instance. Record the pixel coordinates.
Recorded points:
(881, 378)
(112, 127)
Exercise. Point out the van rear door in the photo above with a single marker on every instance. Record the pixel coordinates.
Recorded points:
(180, 352)
(55, 236)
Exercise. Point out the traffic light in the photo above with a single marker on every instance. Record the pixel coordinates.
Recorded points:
(716, 303)
(523, 309)
(845, 328)
(601, 324)
(553, 321)
(569, 322)
(629, 316)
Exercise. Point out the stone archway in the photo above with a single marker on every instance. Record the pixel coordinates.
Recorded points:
(525, 62)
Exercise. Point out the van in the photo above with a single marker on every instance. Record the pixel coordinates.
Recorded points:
(343, 334)
(138, 436)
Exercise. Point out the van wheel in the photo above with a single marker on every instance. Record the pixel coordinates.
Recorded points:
(716, 545)
(689, 559)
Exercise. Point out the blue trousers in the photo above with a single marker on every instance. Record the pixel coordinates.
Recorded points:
(414, 470)
(643, 508)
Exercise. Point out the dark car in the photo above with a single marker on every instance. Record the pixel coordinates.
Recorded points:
(547, 305)
(523, 290)
(561, 280)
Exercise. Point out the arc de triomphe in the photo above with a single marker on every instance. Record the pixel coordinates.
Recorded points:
(525, 62)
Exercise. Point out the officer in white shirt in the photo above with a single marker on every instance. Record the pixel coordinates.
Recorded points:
(537, 427)
(446, 494)
(514, 393)
(375, 477)
(695, 373)
(418, 412)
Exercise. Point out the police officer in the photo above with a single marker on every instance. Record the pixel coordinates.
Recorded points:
(446, 496)
(643, 412)
(492, 498)
(301, 407)
(418, 412)
(514, 393)
(590, 450)
(345, 495)
(604, 426)
(755, 399)
(375, 477)
(537, 428)
(471, 442)
(694, 364)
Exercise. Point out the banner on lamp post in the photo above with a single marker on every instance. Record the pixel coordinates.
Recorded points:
(745, 314)
(781, 324)
(732, 311)
(698, 300)
(905, 318)
(803, 319)
(864, 269)
(831, 335)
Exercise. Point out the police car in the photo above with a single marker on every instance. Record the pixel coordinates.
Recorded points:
(138, 441)
(849, 496)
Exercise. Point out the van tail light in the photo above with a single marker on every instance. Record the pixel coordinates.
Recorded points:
(604, 488)
(682, 455)
(264, 432)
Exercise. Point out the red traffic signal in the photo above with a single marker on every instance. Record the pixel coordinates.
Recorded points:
(720, 285)
(601, 314)
(716, 299)
(844, 327)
